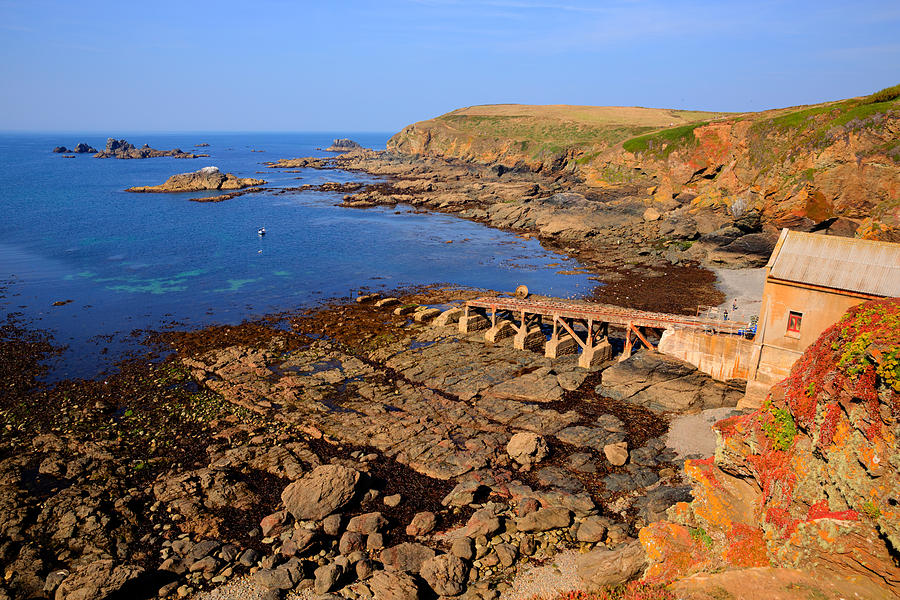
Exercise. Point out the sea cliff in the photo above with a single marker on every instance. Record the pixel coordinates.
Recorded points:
(831, 165)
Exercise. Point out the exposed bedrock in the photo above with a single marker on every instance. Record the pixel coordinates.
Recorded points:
(207, 178)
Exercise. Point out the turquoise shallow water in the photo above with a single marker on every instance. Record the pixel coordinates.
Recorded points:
(142, 261)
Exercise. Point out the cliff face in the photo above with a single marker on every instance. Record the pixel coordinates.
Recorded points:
(834, 164)
(810, 480)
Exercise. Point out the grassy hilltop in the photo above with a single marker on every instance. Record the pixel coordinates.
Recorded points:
(798, 165)
(559, 128)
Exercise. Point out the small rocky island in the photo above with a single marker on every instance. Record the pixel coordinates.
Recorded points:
(122, 149)
(207, 178)
(343, 145)
(81, 148)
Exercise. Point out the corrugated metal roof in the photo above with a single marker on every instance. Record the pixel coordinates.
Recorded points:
(841, 263)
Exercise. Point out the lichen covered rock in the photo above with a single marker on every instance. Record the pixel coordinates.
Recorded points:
(811, 479)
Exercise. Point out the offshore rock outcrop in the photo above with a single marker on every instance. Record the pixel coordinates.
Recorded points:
(809, 481)
(122, 149)
(343, 145)
(207, 178)
(80, 148)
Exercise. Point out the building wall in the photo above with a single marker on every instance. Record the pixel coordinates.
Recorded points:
(820, 310)
(776, 350)
(721, 356)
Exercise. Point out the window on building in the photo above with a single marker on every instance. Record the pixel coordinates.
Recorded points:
(793, 324)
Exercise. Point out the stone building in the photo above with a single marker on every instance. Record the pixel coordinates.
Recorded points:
(811, 280)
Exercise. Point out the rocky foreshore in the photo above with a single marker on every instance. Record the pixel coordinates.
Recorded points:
(560, 210)
(207, 178)
(368, 450)
(639, 247)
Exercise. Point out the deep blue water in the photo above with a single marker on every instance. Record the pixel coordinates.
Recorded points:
(141, 261)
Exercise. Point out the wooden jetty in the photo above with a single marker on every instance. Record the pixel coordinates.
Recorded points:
(577, 325)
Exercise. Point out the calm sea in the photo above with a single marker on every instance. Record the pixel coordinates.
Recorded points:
(143, 261)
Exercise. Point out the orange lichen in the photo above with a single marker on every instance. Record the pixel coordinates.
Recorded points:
(702, 469)
(746, 546)
(673, 552)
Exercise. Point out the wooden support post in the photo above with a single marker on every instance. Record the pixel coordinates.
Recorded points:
(571, 332)
(589, 340)
(604, 330)
(641, 337)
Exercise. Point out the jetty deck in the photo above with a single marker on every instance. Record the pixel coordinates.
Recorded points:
(582, 323)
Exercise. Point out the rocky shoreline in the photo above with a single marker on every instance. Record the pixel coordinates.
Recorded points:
(370, 450)
(347, 449)
(613, 231)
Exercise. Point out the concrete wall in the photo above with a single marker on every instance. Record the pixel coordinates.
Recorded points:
(722, 357)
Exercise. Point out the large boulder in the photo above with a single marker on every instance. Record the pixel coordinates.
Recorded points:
(322, 492)
(527, 448)
(367, 523)
(666, 384)
(406, 557)
(393, 585)
(326, 576)
(446, 574)
(422, 524)
(483, 521)
(113, 145)
(100, 579)
(603, 568)
(545, 519)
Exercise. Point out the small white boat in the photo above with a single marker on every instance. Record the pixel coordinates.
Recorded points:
(261, 231)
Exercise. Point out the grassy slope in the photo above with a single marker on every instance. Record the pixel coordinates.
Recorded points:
(557, 128)
(537, 130)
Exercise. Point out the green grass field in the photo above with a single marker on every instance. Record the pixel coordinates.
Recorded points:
(537, 130)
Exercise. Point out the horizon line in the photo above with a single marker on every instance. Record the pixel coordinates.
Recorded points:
(194, 131)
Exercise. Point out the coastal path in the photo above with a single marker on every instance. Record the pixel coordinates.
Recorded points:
(577, 325)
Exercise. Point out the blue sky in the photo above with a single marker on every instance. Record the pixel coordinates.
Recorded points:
(279, 65)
